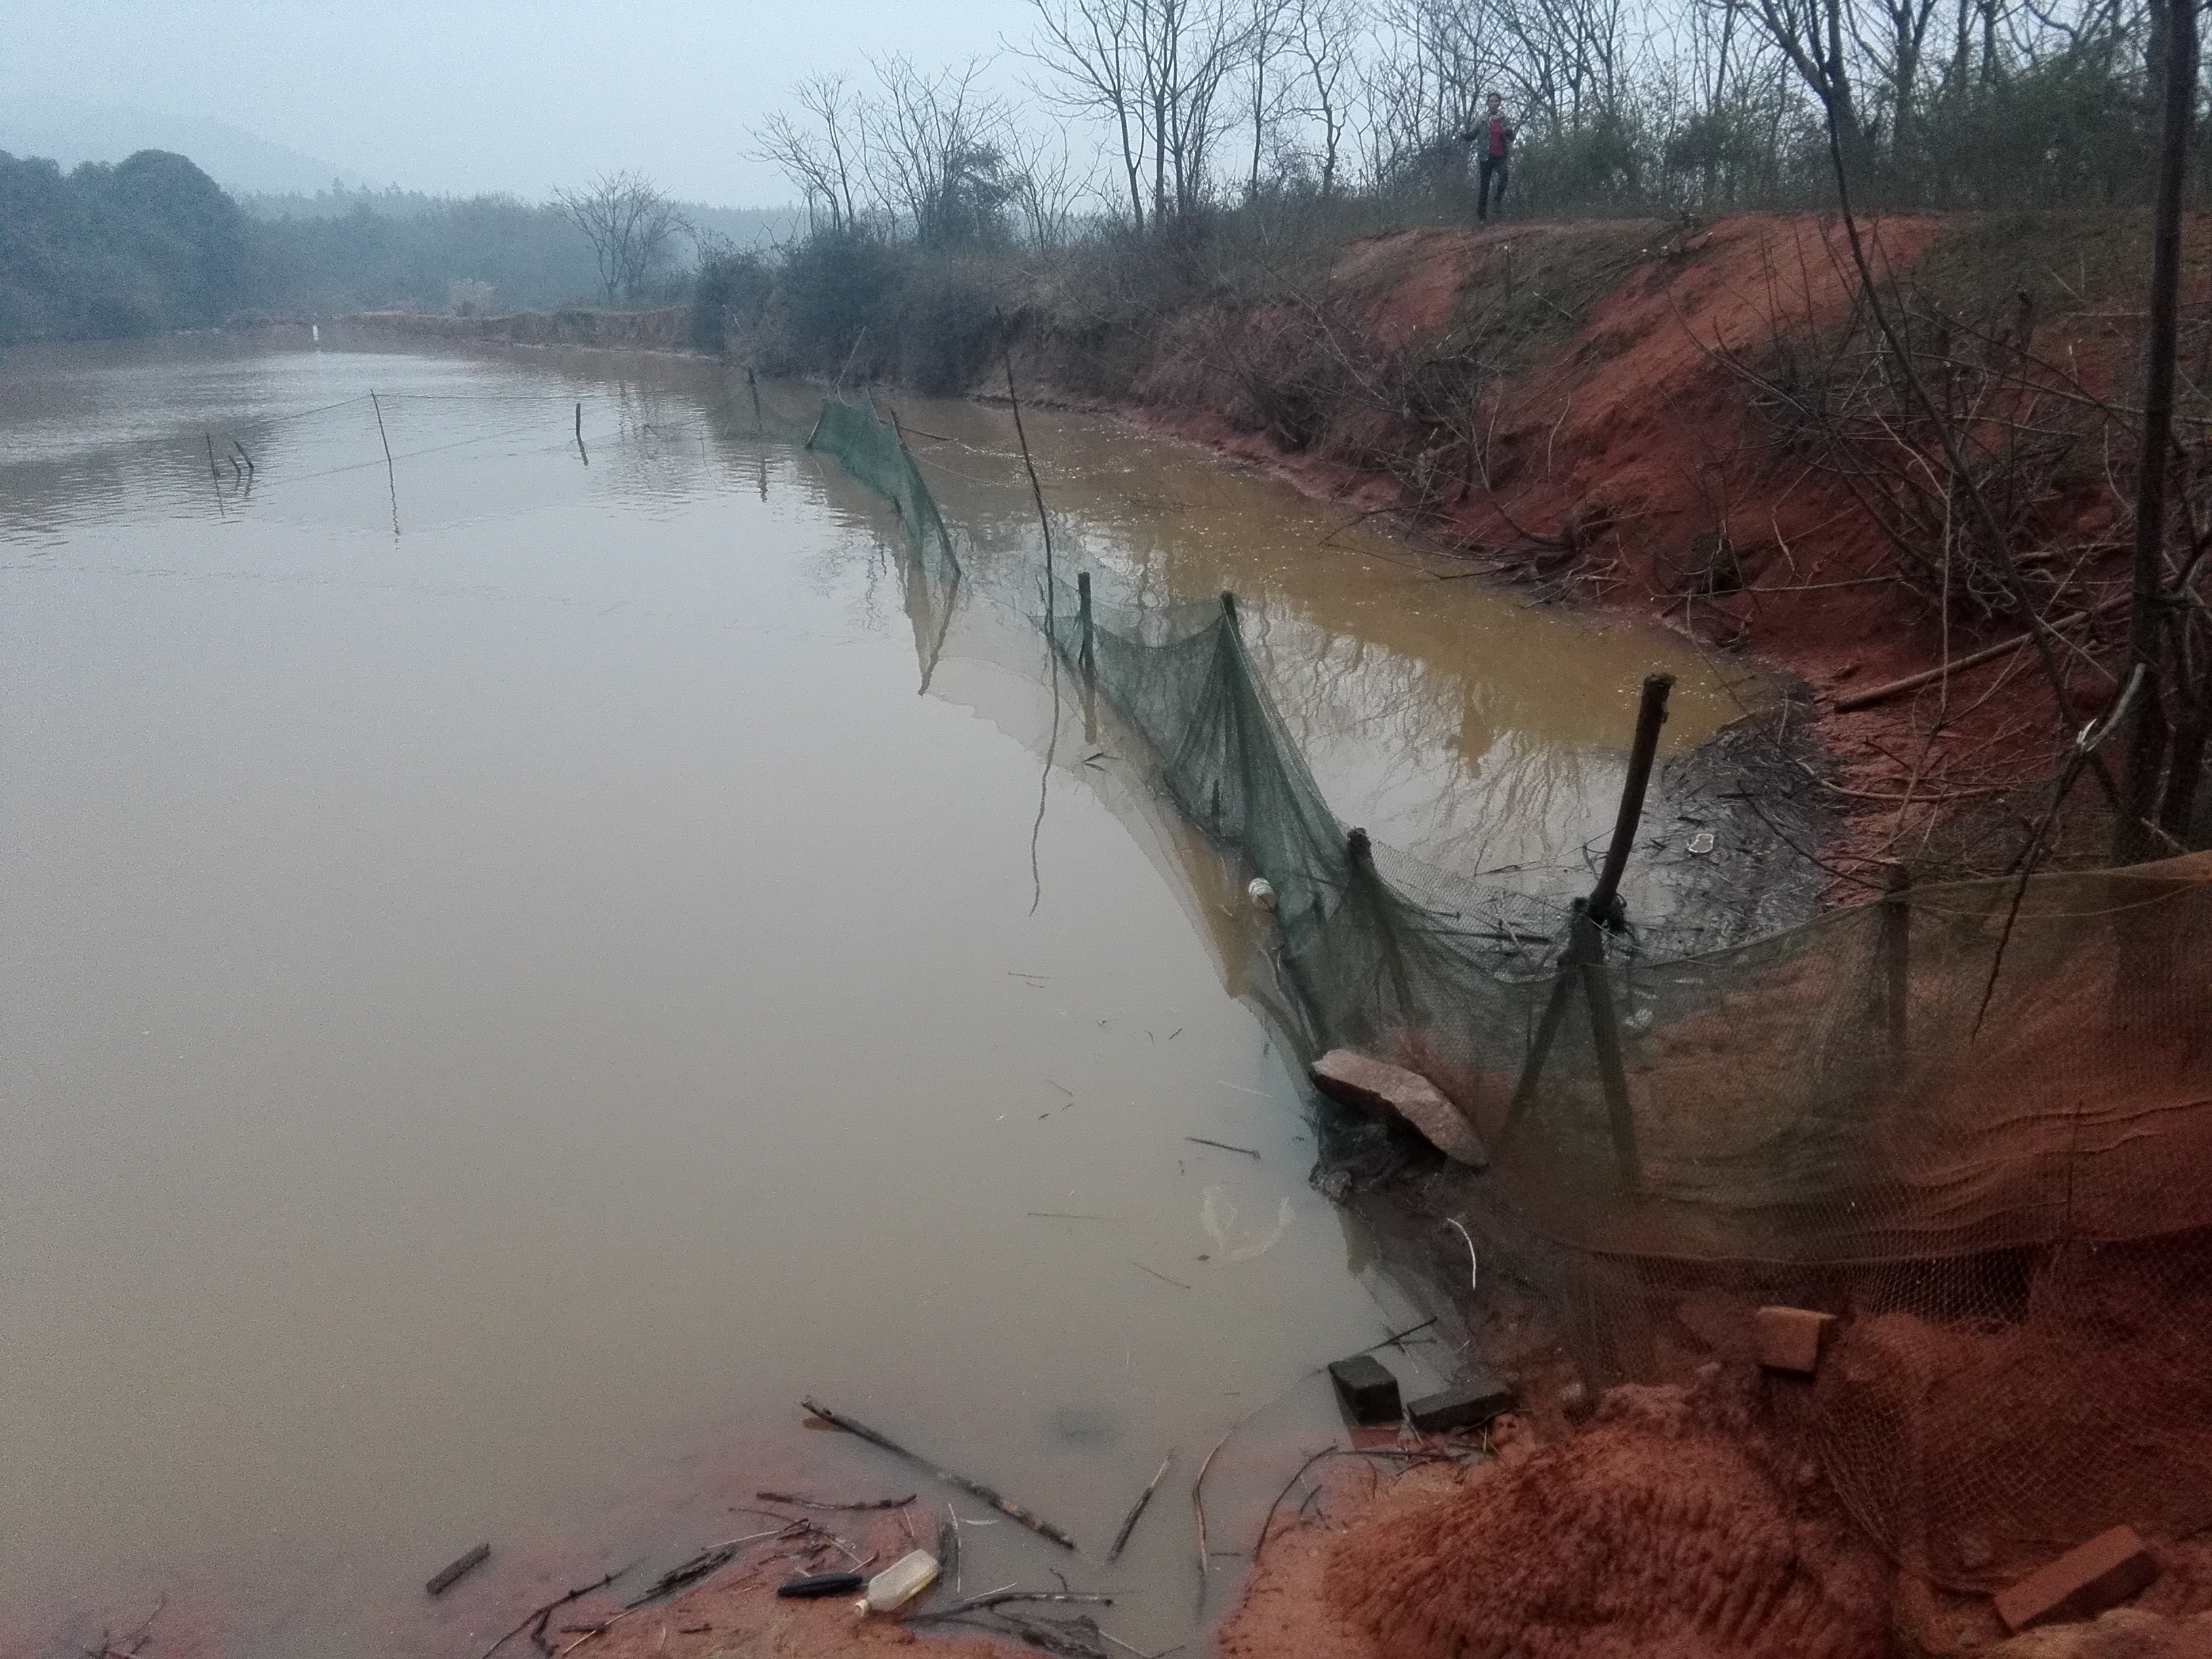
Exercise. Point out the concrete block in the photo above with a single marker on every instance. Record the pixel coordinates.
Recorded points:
(1380, 1089)
(2080, 1584)
(1790, 1339)
(1469, 1406)
(1370, 1392)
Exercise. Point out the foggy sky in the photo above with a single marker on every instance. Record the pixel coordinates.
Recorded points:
(488, 94)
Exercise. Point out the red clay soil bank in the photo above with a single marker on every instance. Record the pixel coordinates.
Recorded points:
(1659, 1532)
(1648, 1536)
(1618, 459)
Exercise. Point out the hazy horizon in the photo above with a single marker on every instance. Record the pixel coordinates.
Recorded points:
(498, 96)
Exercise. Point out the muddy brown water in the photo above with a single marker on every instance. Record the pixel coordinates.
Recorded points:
(498, 1009)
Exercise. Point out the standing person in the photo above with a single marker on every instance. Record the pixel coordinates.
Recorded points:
(1492, 137)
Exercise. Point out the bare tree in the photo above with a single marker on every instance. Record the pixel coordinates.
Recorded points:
(1439, 57)
(1088, 50)
(1898, 47)
(1153, 70)
(1567, 58)
(631, 226)
(1324, 38)
(823, 164)
(938, 152)
(1191, 47)
(1265, 39)
(1810, 34)
(1047, 186)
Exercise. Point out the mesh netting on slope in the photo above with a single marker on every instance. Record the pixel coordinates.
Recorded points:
(1976, 1118)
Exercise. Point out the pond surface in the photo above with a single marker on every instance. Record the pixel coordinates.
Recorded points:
(507, 986)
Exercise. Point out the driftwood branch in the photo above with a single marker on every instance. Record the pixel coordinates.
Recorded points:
(127, 1646)
(454, 1572)
(999, 1598)
(977, 1489)
(1873, 695)
(712, 1560)
(800, 1501)
(701, 1565)
(537, 1616)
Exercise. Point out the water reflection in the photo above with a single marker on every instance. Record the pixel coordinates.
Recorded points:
(1449, 719)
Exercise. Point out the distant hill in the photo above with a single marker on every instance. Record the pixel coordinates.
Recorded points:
(107, 229)
(70, 132)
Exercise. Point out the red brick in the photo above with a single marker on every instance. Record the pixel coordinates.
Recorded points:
(2080, 1584)
(1790, 1339)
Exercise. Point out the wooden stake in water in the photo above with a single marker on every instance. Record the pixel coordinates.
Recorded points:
(581, 450)
(1086, 661)
(1651, 715)
(390, 477)
(1584, 963)
(215, 477)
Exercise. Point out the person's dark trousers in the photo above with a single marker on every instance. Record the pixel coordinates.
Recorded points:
(1493, 166)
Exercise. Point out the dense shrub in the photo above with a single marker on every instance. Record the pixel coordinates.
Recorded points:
(730, 291)
(832, 289)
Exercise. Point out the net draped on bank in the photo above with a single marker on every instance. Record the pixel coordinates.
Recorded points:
(1975, 1117)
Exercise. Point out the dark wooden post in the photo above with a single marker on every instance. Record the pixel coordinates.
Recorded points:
(1605, 1040)
(2174, 68)
(1651, 715)
(1083, 659)
(1583, 964)
(1894, 944)
(1086, 661)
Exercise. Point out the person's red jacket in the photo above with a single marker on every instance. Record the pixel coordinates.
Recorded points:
(1494, 134)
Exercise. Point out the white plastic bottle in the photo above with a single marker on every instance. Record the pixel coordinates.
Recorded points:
(899, 1583)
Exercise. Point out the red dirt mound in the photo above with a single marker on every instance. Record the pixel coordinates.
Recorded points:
(1650, 1536)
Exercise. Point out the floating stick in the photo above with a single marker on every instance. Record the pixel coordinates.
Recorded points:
(1137, 1510)
(1035, 1522)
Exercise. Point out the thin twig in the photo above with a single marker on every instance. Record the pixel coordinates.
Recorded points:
(1260, 1544)
(1137, 1510)
(1473, 1268)
(538, 1615)
(999, 1598)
